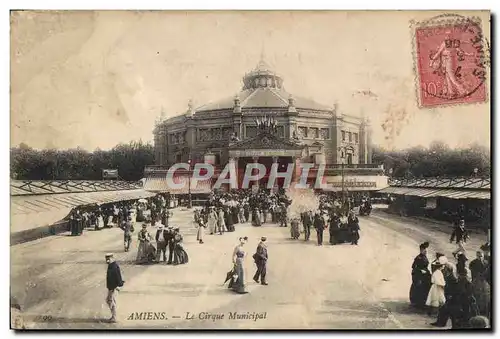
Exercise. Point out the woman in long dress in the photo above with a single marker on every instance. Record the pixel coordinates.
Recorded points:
(201, 230)
(180, 254)
(144, 250)
(212, 220)
(421, 278)
(436, 297)
(238, 283)
(294, 228)
(256, 219)
(228, 215)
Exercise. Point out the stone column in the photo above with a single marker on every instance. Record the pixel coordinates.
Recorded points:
(338, 127)
(237, 126)
(255, 161)
(368, 142)
(275, 161)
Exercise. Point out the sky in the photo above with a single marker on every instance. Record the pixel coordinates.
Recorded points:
(95, 79)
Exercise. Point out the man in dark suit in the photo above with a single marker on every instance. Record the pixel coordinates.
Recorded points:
(161, 243)
(319, 224)
(307, 222)
(170, 234)
(260, 258)
(113, 283)
(478, 266)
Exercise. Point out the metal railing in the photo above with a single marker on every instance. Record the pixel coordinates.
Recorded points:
(455, 182)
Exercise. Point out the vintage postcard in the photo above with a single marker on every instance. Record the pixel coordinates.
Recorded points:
(250, 170)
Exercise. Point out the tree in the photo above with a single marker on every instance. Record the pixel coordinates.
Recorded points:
(438, 160)
(78, 164)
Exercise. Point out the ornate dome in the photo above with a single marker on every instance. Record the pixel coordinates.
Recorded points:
(262, 76)
(263, 88)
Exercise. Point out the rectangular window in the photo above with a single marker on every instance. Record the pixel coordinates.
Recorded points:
(343, 135)
(356, 140)
(325, 133)
(281, 131)
(302, 132)
(315, 132)
(350, 136)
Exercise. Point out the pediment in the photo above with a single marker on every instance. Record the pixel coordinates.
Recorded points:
(266, 141)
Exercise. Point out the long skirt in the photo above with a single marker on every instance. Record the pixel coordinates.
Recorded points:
(294, 230)
(238, 285)
(436, 296)
(419, 290)
(256, 221)
(211, 225)
(146, 252)
(180, 255)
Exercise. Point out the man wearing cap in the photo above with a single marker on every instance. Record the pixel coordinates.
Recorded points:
(260, 258)
(161, 243)
(113, 283)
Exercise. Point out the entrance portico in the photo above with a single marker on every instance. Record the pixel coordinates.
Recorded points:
(265, 149)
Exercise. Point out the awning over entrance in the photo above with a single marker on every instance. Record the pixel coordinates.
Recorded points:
(30, 211)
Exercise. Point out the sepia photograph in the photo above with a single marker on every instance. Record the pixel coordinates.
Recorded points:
(250, 170)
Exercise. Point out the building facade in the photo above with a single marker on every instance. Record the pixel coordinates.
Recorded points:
(265, 123)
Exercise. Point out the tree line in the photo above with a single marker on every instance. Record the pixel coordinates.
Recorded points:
(130, 159)
(438, 160)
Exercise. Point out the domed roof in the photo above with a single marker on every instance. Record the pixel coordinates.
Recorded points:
(263, 88)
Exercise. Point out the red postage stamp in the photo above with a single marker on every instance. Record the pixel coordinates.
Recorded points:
(450, 62)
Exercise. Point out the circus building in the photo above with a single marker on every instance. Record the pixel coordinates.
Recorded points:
(266, 124)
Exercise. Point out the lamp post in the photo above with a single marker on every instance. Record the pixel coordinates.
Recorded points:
(190, 202)
(342, 159)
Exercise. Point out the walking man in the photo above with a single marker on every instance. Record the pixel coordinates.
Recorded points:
(128, 229)
(307, 222)
(113, 283)
(161, 243)
(319, 224)
(461, 235)
(260, 258)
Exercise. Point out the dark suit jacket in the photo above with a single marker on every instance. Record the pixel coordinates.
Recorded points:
(113, 276)
(165, 235)
(261, 253)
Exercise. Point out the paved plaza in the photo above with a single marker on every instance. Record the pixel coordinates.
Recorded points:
(60, 280)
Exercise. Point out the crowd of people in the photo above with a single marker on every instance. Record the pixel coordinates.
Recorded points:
(458, 291)
(223, 210)
(455, 291)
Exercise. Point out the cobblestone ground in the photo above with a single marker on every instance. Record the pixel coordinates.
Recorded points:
(60, 281)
